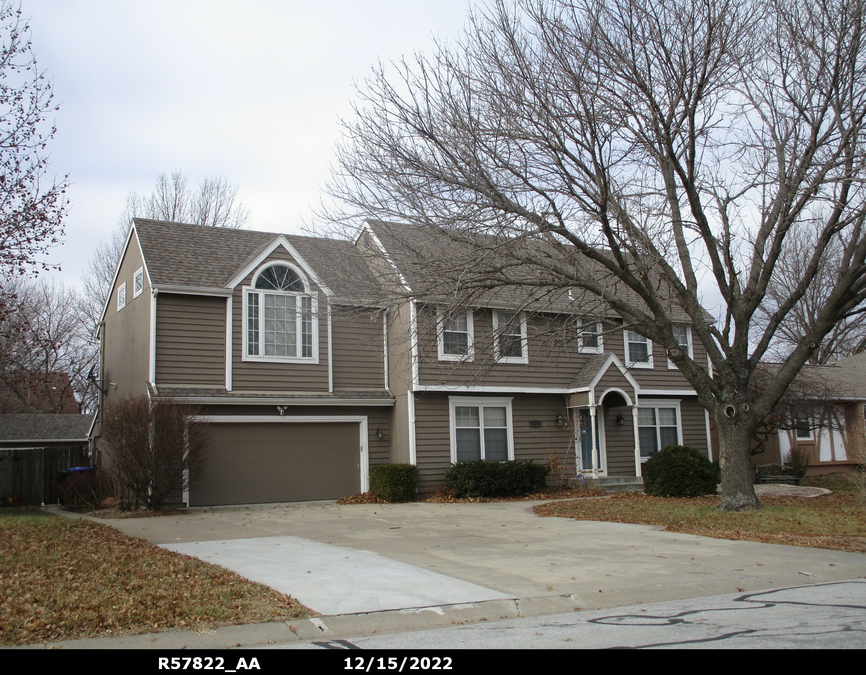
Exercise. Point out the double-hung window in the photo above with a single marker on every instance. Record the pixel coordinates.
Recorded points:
(509, 340)
(683, 336)
(456, 337)
(589, 340)
(803, 427)
(280, 317)
(658, 427)
(638, 350)
(481, 429)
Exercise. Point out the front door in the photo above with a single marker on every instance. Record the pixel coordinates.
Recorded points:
(585, 440)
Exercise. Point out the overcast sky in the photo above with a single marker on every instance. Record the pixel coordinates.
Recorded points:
(251, 90)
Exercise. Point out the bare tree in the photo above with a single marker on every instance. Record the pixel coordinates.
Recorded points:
(215, 203)
(645, 154)
(32, 204)
(155, 451)
(848, 335)
(46, 353)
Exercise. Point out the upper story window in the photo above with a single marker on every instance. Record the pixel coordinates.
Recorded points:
(138, 282)
(280, 316)
(638, 350)
(683, 336)
(456, 335)
(589, 340)
(509, 338)
(121, 296)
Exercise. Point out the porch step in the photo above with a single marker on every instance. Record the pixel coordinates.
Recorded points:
(616, 483)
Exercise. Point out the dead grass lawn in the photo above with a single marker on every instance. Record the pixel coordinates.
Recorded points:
(835, 521)
(63, 579)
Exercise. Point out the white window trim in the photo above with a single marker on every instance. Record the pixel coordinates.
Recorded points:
(671, 364)
(629, 363)
(314, 311)
(590, 350)
(662, 403)
(524, 343)
(811, 429)
(440, 338)
(121, 296)
(138, 273)
(479, 402)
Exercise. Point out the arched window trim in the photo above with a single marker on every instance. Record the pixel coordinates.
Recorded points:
(305, 325)
(281, 263)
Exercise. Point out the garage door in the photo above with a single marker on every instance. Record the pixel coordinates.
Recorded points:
(279, 462)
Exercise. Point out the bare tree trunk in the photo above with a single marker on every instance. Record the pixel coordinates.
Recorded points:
(738, 490)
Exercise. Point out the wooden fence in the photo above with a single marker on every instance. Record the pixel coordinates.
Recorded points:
(31, 473)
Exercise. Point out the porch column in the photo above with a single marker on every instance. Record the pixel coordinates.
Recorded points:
(592, 424)
(637, 464)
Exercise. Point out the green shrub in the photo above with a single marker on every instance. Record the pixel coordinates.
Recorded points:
(394, 482)
(495, 479)
(679, 471)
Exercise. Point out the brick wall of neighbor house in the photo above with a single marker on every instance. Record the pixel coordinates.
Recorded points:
(538, 444)
(269, 376)
(190, 340)
(126, 334)
(357, 341)
(378, 417)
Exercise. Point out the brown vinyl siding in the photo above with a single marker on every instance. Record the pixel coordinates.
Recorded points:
(190, 340)
(271, 375)
(613, 379)
(552, 348)
(538, 444)
(694, 424)
(126, 334)
(619, 441)
(358, 349)
(400, 379)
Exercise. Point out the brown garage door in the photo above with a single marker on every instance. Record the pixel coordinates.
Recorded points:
(279, 462)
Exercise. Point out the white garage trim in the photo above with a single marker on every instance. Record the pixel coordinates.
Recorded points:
(339, 419)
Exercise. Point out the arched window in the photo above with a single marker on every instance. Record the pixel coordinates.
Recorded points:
(280, 315)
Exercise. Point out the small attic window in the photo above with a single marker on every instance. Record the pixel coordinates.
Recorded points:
(138, 282)
(121, 296)
(280, 278)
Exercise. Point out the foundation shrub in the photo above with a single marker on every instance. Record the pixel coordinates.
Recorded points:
(85, 488)
(496, 479)
(394, 482)
(679, 471)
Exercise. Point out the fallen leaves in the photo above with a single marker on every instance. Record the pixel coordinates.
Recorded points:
(65, 579)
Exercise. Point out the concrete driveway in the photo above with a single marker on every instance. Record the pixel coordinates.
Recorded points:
(364, 558)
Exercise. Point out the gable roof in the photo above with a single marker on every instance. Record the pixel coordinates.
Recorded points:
(196, 256)
(44, 428)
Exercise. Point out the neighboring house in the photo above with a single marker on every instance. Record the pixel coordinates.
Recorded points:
(824, 415)
(34, 392)
(313, 359)
(35, 448)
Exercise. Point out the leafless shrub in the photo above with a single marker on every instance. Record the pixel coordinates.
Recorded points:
(156, 453)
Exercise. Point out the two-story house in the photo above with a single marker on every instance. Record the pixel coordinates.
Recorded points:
(309, 368)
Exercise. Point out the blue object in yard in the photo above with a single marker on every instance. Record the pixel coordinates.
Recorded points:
(76, 469)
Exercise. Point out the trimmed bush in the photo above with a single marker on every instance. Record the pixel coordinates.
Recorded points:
(496, 479)
(679, 471)
(394, 482)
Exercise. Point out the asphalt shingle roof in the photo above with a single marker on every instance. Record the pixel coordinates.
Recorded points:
(44, 427)
(179, 254)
